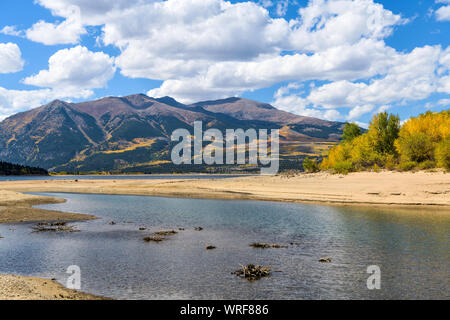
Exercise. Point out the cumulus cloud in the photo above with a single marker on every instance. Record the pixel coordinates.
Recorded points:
(12, 101)
(358, 111)
(443, 13)
(72, 74)
(10, 58)
(207, 49)
(324, 24)
(412, 78)
(288, 98)
(11, 31)
(66, 32)
(325, 47)
(75, 70)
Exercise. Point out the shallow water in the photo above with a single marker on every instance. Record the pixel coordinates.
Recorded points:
(412, 249)
(118, 177)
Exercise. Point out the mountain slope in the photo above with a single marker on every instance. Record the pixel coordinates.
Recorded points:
(133, 132)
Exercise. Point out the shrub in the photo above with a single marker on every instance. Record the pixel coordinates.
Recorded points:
(364, 155)
(325, 164)
(310, 165)
(343, 167)
(427, 165)
(336, 154)
(416, 147)
(443, 154)
(407, 165)
(390, 161)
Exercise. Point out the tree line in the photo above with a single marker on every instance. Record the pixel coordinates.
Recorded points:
(9, 169)
(420, 143)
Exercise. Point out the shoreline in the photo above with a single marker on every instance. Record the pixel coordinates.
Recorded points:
(17, 207)
(367, 189)
(15, 287)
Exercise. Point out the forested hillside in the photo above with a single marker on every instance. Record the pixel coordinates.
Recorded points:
(9, 169)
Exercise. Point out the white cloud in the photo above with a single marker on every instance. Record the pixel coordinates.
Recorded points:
(339, 51)
(332, 115)
(362, 124)
(93, 12)
(383, 108)
(207, 49)
(11, 31)
(12, 101)
(324, 24)
(362, 60)
(443, 13)
(72, 73)
(199, 33)
(10, 58)
(299, 105)
(444, 85)
(287, 101)
(411, 78)
(67, 32)
(75, 70)
(358, 111)
(283, 91)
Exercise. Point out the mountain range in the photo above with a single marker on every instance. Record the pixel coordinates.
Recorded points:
(132, 133)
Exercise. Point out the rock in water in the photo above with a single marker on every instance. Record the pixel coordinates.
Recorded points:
(252, 272)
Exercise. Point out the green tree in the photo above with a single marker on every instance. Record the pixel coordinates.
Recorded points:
(310, 165)
(383, 131)
(351, 131)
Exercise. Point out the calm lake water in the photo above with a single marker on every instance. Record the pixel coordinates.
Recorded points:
(412, 250)
(117, 177)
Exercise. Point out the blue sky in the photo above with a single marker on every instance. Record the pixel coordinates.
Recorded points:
(334, 59)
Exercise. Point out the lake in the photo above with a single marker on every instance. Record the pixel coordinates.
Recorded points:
(411, 248)
(119, 177)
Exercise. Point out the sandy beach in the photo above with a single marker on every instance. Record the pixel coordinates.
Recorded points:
(30, 288)
(17, 207)
(362, 188)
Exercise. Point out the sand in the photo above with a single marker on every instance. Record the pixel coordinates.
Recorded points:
(30, 288)
(17, 207)
(362, 188)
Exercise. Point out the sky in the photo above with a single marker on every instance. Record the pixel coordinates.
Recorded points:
(340, 60)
